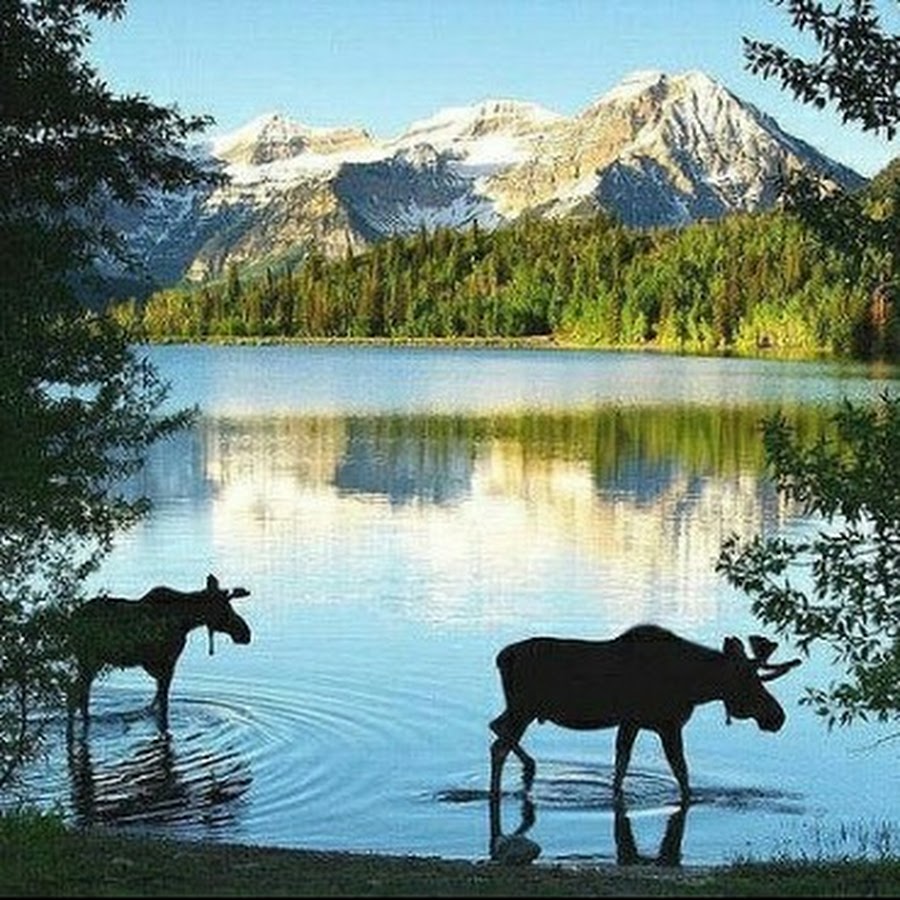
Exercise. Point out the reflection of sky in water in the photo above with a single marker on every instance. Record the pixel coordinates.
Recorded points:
(316, 379)
(391, 552)
(470, 518)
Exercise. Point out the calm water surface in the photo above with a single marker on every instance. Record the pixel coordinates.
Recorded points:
(401, 514)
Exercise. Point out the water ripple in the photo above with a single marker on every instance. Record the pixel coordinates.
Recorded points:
(575, 786)
(239, 761)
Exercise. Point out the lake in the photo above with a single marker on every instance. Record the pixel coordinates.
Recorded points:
(399, 515)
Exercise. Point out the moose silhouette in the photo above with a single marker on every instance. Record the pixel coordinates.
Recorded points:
(646, 678)
(115, 632)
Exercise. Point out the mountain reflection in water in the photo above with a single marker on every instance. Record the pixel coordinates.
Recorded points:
(635, 487)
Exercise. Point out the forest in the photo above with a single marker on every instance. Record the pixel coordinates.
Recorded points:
(745, 284)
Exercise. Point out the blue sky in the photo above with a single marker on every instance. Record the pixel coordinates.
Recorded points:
(383, 64)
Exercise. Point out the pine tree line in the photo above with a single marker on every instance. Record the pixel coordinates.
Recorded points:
(738, 284)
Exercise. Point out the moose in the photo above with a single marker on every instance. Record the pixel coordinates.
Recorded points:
(647, 677)
(115, 632)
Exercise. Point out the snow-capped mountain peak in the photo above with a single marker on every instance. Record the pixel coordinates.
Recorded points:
(633, 85)
(656, 149)
(271, 129)
(455, 122)
(275, 137)
(492, 131)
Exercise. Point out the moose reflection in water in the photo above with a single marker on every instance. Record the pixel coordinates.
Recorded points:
(647, 678)
(155, 784)
(113, 632)
(515, 848)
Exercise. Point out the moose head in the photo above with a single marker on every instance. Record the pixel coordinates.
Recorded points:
(221, 616)
(745, 695)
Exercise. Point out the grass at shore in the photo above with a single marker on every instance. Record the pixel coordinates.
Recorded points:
(40, 857)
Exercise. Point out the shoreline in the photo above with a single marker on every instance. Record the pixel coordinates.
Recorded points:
(533, 342)
(42, 858)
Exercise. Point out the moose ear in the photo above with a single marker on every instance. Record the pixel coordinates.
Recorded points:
(732, 646)
(212, 583)
(762, 647)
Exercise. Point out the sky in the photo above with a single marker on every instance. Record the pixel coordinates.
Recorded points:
(384, 64)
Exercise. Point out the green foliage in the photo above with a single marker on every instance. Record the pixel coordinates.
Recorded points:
(859, 71)
(30, 825)
(842, 586)
(742, 284)
(101, 863)
(78, 407)
(818, 278)
(859, 66)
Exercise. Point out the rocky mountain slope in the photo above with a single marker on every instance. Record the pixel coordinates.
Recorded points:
(656, 150)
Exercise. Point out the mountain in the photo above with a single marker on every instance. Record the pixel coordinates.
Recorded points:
(656, 150)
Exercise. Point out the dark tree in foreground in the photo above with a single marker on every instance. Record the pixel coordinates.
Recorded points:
(858, 70)
(78, 406)
(841, 586)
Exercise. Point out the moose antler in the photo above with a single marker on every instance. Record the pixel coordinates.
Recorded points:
(763, 648)
(776, 670)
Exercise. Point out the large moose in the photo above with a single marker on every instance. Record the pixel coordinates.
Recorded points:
(646, 677)
(114, 632)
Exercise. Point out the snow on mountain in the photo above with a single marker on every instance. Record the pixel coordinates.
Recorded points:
(493, 132)
(656, 149)
(631, 86)
(416, 186)
(272, 137)
(670, 149)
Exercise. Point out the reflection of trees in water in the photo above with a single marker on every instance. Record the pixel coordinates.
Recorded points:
(640, 450)
(176, 469)
(661, 485)
(636, 451)
(154, 784)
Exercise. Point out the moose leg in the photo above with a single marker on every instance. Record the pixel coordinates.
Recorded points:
(624, 742)
(496, 827)
(673, 745)
(626, 847)
(78, 700)
(509, 730)
(528, 765)
(160, 702)
(670, 848)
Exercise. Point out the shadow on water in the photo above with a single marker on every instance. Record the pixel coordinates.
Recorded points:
(156, 783)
